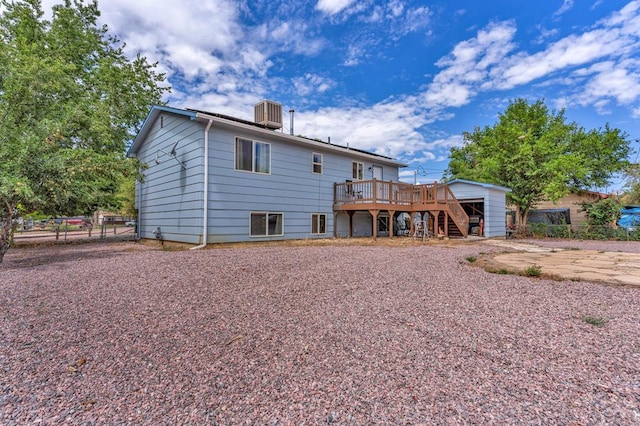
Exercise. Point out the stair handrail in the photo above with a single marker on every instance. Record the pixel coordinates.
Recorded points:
(458, 214)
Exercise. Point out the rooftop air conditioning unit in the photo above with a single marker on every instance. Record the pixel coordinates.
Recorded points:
(269, 114)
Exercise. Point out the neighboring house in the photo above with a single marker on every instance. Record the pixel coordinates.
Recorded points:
(484, 203)
(212, 178)
(566, 210)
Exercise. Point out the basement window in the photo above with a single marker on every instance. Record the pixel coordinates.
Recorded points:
(266, 224)
(318, 223)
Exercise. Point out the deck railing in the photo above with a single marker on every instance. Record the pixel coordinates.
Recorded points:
(385, 192)
(368, 194)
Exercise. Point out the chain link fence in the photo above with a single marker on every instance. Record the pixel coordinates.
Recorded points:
(581, 232)
(61, 233)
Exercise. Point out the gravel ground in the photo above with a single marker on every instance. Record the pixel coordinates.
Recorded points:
(127, 334)
(623, 246)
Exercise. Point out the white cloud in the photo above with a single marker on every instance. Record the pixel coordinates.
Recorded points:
(487, 62)
(290, 36)
(612, 80)
(629, 13)
(413, 20)
(616, 36)
(545, 34)
(312, 83)
(216, 64)
(383, 22)
(358, 50)
(387, 128)
(467, 67)
(569, 52)
(333, 7)
(396, 7)
(567, 5)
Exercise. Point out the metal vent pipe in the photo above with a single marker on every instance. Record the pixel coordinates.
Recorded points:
(291, 111)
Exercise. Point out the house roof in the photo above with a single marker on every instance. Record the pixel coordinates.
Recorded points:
(482, 184)
(227, 120)
(593, 193)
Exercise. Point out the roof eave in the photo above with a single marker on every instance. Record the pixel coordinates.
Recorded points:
(309, 142)
(482, 184)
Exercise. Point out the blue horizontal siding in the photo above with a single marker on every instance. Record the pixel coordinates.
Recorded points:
(171, 196)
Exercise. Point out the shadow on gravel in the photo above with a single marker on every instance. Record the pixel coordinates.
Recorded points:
(29, 256)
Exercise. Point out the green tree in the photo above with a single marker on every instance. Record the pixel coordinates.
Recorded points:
(127, 196)
(602, 212)
(70, 100)
(632, 185)
(538, 155)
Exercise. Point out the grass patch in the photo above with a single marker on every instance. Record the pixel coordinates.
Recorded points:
(533, 271)
(503, 271)
(471, 259)
(594, 321)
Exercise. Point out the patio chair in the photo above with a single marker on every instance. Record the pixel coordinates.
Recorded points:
(420, 230)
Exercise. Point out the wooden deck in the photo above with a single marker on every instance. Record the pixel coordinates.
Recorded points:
(447, 215)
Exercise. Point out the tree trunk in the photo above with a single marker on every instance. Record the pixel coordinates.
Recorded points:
(521, 219)
(7, 228)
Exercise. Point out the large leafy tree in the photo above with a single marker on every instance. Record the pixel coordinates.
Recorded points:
(632, 187)
(538, 155)
(70, 100)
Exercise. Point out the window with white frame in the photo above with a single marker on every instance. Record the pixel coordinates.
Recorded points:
(316, 161)
(358, 170)
(253, 156)
(266, 224)
(318, 223)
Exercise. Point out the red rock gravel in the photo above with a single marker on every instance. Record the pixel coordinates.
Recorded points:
(124, 334)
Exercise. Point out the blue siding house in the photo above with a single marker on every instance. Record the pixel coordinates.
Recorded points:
(212, 178)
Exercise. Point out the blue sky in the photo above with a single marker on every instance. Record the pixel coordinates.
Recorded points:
(401, 78)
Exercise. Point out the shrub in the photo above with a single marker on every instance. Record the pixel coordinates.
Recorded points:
(533, 271)
(595, 321)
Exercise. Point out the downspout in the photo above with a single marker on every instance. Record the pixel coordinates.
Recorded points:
(205, 196)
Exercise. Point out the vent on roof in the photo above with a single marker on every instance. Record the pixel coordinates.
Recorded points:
(269, 114)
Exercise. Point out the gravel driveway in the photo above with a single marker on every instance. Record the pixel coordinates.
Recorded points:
(372, 334)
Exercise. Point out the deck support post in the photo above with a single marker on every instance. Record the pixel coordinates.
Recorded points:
(392, 222)
(351, 212)
(446, 224)
(374, 214)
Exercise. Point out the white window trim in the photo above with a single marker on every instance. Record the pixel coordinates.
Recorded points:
(318, 218)
(253, 153)
(313, 163)
(267, 228)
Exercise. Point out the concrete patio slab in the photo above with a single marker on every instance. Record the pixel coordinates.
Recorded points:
(583, 265)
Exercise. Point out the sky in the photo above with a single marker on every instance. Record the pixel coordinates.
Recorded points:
(400, 78)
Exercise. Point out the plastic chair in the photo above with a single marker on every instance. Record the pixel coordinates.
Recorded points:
(420, 230)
